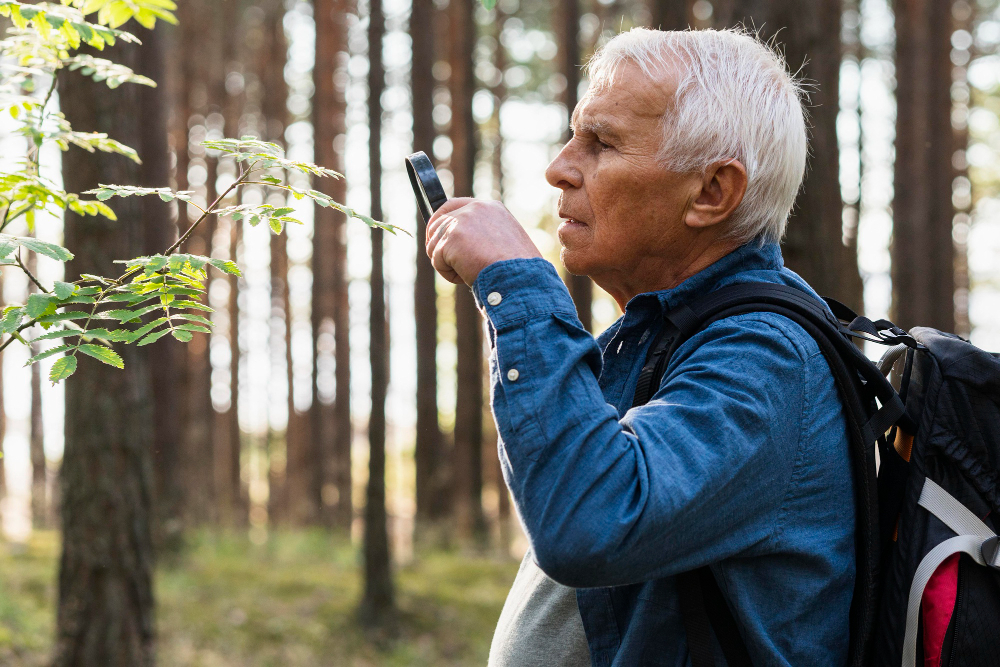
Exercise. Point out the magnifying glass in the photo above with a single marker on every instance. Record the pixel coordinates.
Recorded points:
(426, 185)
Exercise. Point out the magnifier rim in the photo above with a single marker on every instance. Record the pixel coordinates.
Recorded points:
(424, 180)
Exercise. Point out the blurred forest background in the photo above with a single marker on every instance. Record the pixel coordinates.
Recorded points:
(319, 475)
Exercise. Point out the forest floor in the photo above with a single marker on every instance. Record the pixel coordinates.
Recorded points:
(291, 602)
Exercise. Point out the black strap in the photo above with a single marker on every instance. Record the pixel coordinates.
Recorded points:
(859, 384)
(697, 625)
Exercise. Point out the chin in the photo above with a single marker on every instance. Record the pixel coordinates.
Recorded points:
(575, 262)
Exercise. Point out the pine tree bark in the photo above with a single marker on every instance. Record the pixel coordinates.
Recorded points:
(923, 253)
(581, 288)
(105, 611)
(809, 35)
(378, 595)
(429, 455)
(331, 422)
(468, 325)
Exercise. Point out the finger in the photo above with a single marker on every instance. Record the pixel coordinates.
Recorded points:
(441, 230)
(434, 235)
(442, 266)
(450, 206)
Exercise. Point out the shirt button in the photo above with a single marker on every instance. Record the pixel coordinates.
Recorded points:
(512, 375)
(494, 298)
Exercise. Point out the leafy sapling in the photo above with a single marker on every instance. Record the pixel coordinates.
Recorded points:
(153, 296)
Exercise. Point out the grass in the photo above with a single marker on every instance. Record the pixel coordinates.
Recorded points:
(290, 602)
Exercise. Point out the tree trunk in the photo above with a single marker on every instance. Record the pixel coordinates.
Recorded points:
(36, 434)
(378, 595)
(581, 288)
(923, 253)
(229, 492)
(429, 455)
(505, 532)
(468, 325)
(290, 498)
(809, 34)
(3, 416)
(105, 612)
(670, 14)
(166, 357)
(202, 30)
(331, 420)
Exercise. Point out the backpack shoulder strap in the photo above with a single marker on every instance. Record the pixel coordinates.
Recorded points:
(859, 384)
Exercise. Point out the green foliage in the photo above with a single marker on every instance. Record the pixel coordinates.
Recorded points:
(154, 296)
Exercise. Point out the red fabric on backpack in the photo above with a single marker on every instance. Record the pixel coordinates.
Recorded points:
(937, 607)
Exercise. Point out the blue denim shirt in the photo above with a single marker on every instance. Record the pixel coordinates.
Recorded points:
(739, 461)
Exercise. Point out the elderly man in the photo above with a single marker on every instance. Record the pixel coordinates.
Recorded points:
(687, 153)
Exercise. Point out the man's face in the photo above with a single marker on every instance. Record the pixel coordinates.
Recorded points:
(621, 209)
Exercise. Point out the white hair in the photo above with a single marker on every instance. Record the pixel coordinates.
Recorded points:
(735, 99)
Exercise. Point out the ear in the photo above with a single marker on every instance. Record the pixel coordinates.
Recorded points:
(722, 188)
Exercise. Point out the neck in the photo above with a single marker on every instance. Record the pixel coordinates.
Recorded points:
(656, 273)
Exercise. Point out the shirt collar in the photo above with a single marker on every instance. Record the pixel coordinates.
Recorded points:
(753, 256)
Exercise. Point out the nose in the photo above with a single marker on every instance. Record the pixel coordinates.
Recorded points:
(563, 172)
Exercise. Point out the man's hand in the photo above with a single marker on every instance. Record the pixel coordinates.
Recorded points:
(466, 235)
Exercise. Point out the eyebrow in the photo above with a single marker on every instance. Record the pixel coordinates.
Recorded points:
(596, 126)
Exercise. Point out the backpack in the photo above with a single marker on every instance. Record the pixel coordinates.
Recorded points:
(927, 586)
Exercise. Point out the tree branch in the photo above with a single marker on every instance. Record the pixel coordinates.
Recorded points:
(31, 277)
(238, 182)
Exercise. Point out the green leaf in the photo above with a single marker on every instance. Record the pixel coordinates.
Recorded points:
(101, 353)
(181, 335)
(227, 266)
(8, 243)
(281, 212)
(62, 333)
(64, 290)
(275, 225)
(192, 327)
(38, 304)
(145, 329)
(48, 353)
(62, 369)
(62, 317)
(128, 315)
(12, 316)
(183, 291)
(191, 318)
(115, 335)
(48, 249)
(193, 304)
(155, 336)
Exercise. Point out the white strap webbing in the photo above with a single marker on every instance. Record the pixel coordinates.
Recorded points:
(972, 532)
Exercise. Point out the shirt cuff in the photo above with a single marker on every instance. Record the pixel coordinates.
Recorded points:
(515, 290)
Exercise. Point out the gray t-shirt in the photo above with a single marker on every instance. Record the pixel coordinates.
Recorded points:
(540, 625)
